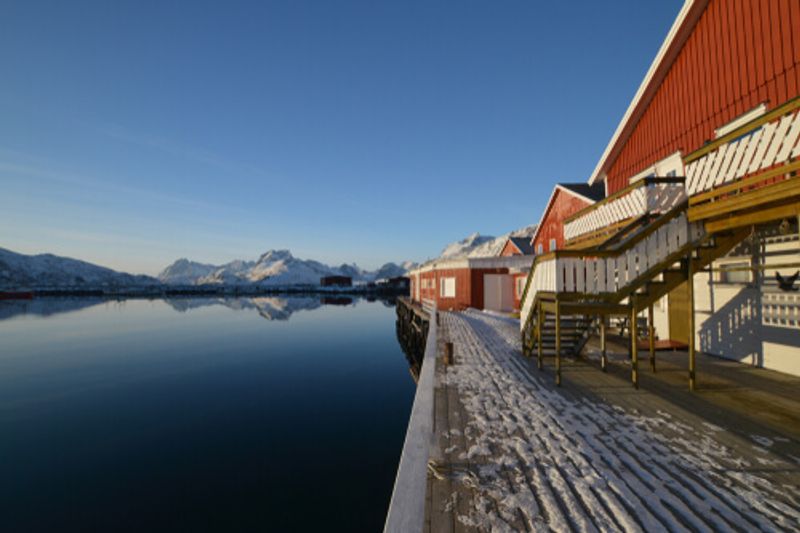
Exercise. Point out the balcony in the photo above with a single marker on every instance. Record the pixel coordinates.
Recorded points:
(643, 198)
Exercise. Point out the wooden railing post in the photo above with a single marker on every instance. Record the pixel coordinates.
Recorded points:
(634, 348)
(558, 344)
(651, 331)
(603, 354)
(539, 349)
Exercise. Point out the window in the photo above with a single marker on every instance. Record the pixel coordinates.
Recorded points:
(552, 245)
(669, 167)
(735, 273)
(447, 287)
(539, 249)
(520, 286)
(741, 120)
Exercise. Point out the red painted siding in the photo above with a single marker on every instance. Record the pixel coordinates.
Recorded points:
(563, 205)
(518, 297)
(469, 287)
(741, 53)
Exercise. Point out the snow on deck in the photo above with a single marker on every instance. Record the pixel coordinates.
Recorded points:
(516, 453)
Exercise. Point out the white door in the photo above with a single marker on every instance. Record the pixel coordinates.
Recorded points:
(498, 292)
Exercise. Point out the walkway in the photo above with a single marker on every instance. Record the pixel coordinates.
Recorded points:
(513, 452)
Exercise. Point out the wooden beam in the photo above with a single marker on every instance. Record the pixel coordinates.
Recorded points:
(603, 355)
(558, 345)
(539, 324)
(751, 218)
(651, 332)
(775, 192)
(690, 288)
(634, 349)
(588, 308)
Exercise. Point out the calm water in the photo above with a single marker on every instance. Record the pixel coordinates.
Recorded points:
(264, 414)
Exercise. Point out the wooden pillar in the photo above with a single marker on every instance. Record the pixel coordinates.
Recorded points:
(448, 353)
(634, 349)
(558, 344)
(603, 353)
(651, 333)
(539, 349)
(690, 288)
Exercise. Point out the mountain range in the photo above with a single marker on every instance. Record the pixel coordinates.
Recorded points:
(48, 270)
(477, 245)
(273, 268)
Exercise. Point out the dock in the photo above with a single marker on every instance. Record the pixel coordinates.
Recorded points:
(512, 451)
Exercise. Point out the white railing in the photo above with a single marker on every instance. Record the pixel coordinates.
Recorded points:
(544, 280)
(763, 146)
(407, 506)
(653, 196)
(607, 273)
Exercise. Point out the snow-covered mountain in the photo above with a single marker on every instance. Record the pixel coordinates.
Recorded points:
(392, 270)
(274, 268)
(51, 271)
(271, 308)
(477, 245)
(185, 272)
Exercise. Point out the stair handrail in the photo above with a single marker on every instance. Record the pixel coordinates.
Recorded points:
(596, 252)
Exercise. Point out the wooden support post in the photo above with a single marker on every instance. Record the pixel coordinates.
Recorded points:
(603, 354)
(651, 334)
(539, 349)
(448, 353)
(690, 288)
(558, 344)
(634, 350)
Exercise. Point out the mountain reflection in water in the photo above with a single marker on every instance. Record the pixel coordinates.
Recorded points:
(196, 414)
(269, 307)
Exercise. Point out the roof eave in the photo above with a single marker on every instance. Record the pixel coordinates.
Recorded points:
(676, 37)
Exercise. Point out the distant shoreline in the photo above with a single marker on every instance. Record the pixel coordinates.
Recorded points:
(200, 291)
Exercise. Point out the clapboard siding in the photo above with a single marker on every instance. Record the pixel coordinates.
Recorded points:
(740, 53)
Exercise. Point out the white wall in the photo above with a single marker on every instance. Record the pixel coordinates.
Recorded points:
(752, 323)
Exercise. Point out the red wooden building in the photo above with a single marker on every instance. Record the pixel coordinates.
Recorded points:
(722, 60)
(565, 200)
(517, 246)
(703, 171)
(479, 283)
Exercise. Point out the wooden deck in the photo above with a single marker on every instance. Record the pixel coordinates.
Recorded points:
(514, 452)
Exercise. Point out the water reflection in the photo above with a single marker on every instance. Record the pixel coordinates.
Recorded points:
(194, 414)
(269, 307)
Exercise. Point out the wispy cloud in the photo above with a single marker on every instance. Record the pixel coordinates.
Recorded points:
(183, 151)
(43, 171)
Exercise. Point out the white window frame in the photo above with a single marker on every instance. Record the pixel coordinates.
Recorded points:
(553, 245)
(539, 249)
(741, 120)
(447, 287)
(670, 166)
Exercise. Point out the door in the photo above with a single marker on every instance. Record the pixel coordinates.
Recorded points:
(678, 302)
(498, 292)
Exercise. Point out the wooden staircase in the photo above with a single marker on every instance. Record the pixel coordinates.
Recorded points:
(629, 250)
(571, 316)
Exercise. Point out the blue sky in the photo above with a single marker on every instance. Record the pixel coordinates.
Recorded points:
(132, 134)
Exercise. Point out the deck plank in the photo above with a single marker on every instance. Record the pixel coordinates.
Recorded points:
(595, 453)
